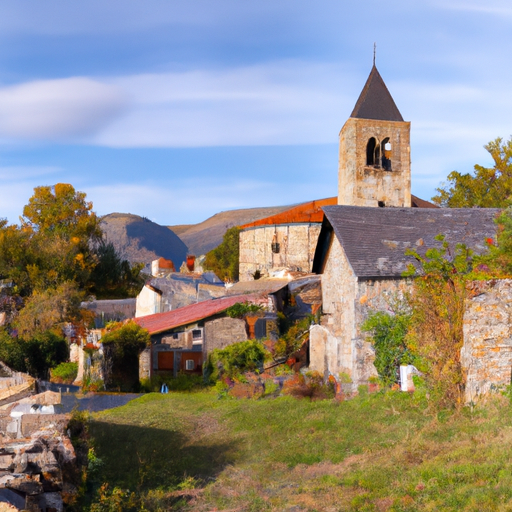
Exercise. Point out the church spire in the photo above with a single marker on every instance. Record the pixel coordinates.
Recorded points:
(375, 101)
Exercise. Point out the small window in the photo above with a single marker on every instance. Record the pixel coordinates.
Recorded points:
(175, 335)
(190, 365)
(197, 334)
(381, 204)
(370, 151)
(386, 154)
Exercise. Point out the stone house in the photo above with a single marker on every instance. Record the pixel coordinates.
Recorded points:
(181, 339)
(361, 256)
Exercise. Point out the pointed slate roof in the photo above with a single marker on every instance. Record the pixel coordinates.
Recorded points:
(375, 101)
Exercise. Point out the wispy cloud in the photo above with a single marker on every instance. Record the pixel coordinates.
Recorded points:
(57, 110)
(20, 172)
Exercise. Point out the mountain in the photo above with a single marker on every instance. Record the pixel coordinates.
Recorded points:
(138, 239)
(205, 236)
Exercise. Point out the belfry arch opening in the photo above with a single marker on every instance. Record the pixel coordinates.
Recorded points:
(373, 152)
(386, 154)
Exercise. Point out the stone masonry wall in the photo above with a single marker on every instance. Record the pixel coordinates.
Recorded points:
(338, 345)
(221, 332)
(297, 244)
(486, 355)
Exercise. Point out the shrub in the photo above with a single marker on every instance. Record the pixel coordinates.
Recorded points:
(234, 360)
(240, 309)
(296, 335)
(64, 372)
(35, 355)
(387, 334)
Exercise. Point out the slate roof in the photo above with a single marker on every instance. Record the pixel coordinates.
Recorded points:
(375, 101)
(161, 322)
(375, 239)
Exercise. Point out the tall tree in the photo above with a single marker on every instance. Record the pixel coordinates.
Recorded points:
(487, 187)
(223, 260)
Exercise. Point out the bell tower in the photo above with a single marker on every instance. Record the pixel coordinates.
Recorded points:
(374, 157)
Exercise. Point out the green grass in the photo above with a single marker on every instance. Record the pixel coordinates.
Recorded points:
(384, 452)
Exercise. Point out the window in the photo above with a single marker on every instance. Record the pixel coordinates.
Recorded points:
(190, 365)
(373, 152)
(386, 154)
(197, 334)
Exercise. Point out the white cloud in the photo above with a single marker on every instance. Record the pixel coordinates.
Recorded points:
(17, 173)
(62, 109)
(287, 102)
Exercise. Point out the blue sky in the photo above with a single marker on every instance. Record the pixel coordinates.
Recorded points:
(178, 110)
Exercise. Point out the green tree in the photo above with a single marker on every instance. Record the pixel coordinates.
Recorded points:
(34, 355)
(487, 187)
(122, 345)
(50, 309)
(113, 277)
(223, 260)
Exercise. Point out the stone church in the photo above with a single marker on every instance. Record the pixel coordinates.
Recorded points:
(374, 170)
(363, 239)
(357, 240)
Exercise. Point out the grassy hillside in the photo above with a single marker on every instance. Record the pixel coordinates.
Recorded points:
(192, 451)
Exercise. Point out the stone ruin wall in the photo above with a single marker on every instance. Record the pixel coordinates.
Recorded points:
(486, 355)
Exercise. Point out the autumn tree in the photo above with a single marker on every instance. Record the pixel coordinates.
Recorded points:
(63, 229)
(487, 187)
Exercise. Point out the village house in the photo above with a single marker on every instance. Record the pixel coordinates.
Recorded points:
(181, 339)
(168, 290)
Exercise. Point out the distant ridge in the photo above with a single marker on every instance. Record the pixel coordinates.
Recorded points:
(138, 239)
(205, 236)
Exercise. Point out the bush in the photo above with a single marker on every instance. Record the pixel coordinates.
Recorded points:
(35, 355)
(235, 360)
(65, 373)
(388, 332)
(240, 309)
(296, 335)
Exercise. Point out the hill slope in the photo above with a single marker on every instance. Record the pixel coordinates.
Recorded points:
(140, 240)
(205, 236)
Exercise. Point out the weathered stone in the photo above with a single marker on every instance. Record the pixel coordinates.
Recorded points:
(25, 484)
(486, 354)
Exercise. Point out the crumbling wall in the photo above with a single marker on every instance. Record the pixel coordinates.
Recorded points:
(486, 355)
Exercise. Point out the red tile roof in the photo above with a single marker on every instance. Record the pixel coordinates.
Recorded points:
(305, 212)
(161, 322)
